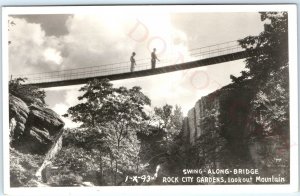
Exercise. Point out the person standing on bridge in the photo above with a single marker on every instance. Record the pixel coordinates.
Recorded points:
(153, 58)
(133, 63)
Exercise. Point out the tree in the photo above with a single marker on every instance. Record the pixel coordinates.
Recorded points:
(273, 44)
(164, 115)
(177, 117)
(170, 120)
(116, 114)
(269, 73)
(92, 109)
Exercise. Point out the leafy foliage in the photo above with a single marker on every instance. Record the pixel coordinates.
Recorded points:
(111, 118)
(92, 156)
(170, 120)
(269, 114)
(68, 179)
(270, 107)
(269, 71)
(107, 145)
(164, 115)
(23, 167)
(273, 44)
(30, 94)
(161, 143)
(102, 103)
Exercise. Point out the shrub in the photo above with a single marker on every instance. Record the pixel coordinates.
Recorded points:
(23, 167)
(65, 179)
(30, 94)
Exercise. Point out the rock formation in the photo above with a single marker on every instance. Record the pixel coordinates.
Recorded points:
(223, 111)
(18, 114)
(33, 128)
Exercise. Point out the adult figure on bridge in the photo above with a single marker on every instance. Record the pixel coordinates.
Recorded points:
(153, 58)
(133, 63)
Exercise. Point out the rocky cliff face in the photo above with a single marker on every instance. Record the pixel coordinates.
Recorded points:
(215, 128)
(222, 131)
(33, 129)
(224, 111)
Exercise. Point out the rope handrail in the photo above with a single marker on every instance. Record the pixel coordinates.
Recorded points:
(124, 66)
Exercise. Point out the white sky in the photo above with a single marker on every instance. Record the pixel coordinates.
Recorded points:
(96, 39)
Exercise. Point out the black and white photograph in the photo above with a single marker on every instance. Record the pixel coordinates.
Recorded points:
(150, 96)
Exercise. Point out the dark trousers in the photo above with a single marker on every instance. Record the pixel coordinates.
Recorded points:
(153, 62)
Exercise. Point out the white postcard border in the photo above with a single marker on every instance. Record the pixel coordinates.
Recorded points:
(164, 189)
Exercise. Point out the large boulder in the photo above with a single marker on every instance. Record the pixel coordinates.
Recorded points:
(44, 118)
(18, 114)
(33, 129)
(42, 128)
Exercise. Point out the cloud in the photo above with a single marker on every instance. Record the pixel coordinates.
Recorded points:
(60, 99)
(211, 28)
(97, 39)
(52, 55)
(31, 51)
(53, 24)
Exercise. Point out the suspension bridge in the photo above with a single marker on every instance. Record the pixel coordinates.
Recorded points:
(198, 57)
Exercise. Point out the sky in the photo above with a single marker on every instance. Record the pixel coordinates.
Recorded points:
(53, 42)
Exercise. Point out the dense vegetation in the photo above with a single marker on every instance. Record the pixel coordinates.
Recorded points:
(112, 140)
